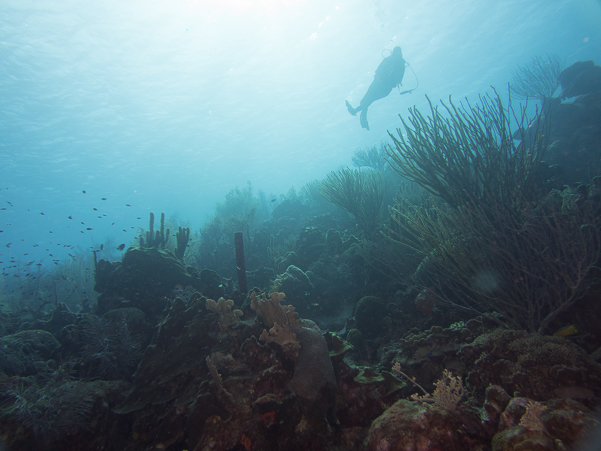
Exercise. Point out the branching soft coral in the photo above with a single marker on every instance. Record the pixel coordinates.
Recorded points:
(280, 319)
(271, 312)
(223, 308)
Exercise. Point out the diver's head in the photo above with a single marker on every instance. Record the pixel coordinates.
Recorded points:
(397, 51)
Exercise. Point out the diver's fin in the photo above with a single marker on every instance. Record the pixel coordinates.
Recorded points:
(350, 108)
(363, 119)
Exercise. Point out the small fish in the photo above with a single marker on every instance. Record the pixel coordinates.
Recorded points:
(95, 209)
(70, 217)
(121, 247)
(104, 198)
(273, 200)
(83, 191)
(2, 208)
(102, 247)
(566, 331)
(8, 245)
(42, 213)
(127, 205)
(88, 228)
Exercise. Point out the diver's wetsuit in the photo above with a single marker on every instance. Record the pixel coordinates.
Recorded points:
(389, 74)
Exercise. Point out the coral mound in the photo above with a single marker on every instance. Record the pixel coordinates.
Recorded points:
(418, 426)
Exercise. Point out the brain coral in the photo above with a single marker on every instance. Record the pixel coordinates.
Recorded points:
(314, 368)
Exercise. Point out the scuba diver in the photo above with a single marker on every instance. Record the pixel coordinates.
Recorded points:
(389, 74)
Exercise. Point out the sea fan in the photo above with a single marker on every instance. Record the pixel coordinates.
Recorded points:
(109, 350)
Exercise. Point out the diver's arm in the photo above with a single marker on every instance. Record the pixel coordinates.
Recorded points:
(400, 72)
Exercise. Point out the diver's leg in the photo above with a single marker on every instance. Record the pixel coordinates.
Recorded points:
(376, 91)
(350, 109)
(363, 119)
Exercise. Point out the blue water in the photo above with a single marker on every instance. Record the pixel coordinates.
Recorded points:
(166, 106)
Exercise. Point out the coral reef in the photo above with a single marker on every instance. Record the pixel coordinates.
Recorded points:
(143, 278)
(439, 339)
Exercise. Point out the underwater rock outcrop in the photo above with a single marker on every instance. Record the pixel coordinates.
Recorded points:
(413, 425)
(297, 286)
(24, 353)
(369, 316)
(575, 124)
(556, 424)
(531, 365)
(203, 382)
(167, 362)
(581, 78)
(142, 279)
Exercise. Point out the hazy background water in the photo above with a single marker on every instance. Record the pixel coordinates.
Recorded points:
(168, 105)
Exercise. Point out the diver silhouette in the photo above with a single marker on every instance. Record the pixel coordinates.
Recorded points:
(389, 74)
